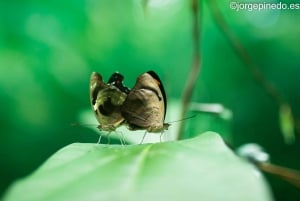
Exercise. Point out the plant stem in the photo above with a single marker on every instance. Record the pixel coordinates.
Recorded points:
(196, 63)
(246, 59)
(243, 54)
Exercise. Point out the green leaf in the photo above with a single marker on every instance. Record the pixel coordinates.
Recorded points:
(202, 168)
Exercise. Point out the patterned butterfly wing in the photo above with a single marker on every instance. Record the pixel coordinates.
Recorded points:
(145, 105)
(107, 99)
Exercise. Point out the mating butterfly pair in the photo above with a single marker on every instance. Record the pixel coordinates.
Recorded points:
(142, 107)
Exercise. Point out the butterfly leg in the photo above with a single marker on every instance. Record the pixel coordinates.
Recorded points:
(143, 137)
(160, 137)
(99, 140)
(108, 137)
(122, 139)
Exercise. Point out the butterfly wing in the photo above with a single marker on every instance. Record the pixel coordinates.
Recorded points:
(106, 101)
(145, 105)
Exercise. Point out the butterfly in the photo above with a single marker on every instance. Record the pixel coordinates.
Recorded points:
(146, 104)
(141, 108)
(107, 99)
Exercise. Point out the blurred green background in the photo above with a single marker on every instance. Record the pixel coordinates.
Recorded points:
(48, 50)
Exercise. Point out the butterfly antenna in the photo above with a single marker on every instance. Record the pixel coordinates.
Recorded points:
(182, 119)
(82, 125)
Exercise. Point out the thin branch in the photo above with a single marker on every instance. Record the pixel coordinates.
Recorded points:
(243, 54)
(196, 63)
(290, 175)
(246, 59)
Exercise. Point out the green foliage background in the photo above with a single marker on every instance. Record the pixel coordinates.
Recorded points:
(49, 49)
